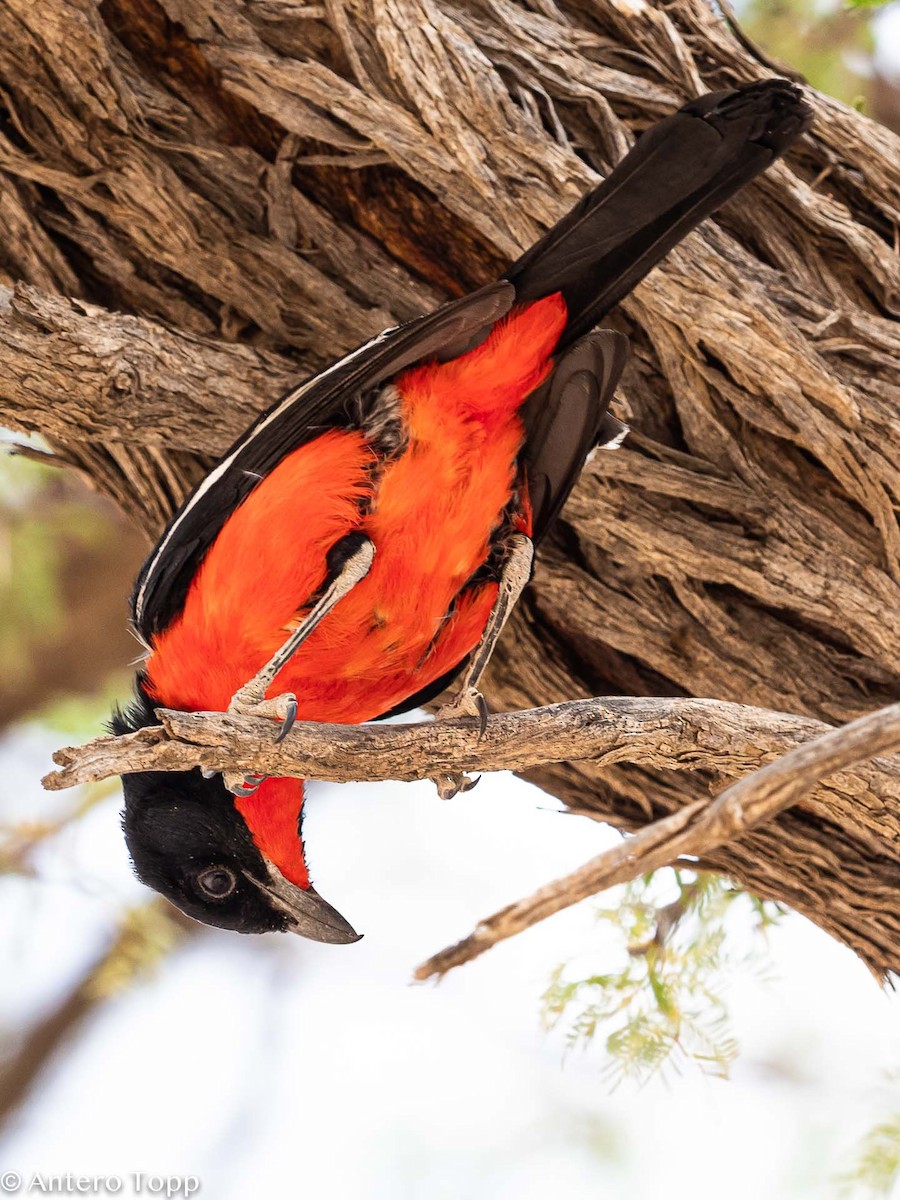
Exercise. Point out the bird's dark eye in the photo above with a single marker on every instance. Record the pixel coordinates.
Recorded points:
(217, 882)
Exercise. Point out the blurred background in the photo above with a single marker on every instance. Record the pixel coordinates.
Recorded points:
(755, 1057)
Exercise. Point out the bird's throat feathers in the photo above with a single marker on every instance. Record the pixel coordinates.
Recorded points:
(273, 815)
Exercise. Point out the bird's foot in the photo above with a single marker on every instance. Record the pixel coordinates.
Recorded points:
(247, 702)
(240, 784)
(469, 703)
(453, 783)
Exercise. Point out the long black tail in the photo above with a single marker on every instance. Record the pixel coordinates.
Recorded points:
(679, 172)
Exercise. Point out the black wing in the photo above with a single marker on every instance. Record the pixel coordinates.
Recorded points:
(305, 412)
(567, 417)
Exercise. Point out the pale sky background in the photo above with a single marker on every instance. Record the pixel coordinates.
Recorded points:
(887, 42)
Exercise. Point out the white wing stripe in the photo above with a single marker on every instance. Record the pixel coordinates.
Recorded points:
(225, 464)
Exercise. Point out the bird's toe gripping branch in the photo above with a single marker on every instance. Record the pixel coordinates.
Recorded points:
(453, 784)
(469, 702)
(281, 708)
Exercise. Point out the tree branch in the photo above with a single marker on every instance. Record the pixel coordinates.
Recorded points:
(137, 407)
(692, 832)
(668, 733)
(787, 756)
(76, 373)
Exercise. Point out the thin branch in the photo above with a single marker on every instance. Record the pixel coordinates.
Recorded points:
(729, 740)
(693, 831)
(668, 733)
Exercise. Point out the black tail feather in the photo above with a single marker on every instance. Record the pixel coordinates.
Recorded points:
(678, 173)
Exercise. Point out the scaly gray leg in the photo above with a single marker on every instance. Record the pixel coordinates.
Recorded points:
(250, 700)
(469, 701)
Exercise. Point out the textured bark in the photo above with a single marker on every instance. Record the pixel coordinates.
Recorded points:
(674, 734)
(273, 181)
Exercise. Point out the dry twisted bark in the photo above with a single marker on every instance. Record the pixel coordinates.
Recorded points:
(676, 734)
(292, 177)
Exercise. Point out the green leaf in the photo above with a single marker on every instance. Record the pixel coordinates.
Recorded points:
(877, 1168)
(658, 1003)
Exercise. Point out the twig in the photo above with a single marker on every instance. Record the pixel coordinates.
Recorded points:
(694, 831)
(673, 733)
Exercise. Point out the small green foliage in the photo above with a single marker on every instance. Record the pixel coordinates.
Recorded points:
(877, 1168)
(661, 1004)
(80, 716)
(829, 42)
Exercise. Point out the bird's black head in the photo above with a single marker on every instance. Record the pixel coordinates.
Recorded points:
(188, 842)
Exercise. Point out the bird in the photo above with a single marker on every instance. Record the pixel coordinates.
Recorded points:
(362, 543)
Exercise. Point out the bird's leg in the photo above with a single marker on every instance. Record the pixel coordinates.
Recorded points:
(514, 577)
(354, 554)
(469, 701)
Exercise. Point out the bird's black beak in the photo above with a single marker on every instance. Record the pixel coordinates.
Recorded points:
(304, 909)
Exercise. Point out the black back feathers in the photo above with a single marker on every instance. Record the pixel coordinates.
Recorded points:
(677, 173)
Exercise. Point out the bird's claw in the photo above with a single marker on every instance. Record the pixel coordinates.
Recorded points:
(453, 784)
(240, 784)
(469, 703)
(290, 716)
(247, 703)
(281, 708)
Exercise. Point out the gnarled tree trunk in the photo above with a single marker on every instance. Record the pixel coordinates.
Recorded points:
(203, 199)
